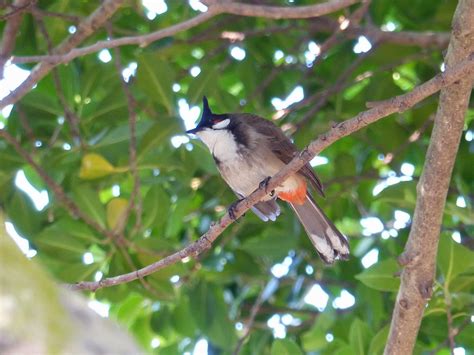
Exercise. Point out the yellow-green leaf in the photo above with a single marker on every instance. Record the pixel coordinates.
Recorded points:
(94, 166)
(115, 211)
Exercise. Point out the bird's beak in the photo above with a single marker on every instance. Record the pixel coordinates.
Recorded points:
(194, 130)
(206, 114)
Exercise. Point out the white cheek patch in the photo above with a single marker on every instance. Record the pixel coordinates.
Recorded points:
(222, 124)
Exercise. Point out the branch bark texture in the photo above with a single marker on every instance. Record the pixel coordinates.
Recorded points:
(10, 32)
(421, 249)
(84, 30)
(363, 119)
(67, 51)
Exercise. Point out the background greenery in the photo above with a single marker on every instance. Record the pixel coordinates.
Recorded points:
(181, 192)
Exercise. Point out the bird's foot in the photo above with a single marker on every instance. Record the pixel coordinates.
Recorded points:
(231, 209)
(264, 185)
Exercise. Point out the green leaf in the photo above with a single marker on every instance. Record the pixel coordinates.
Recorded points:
(58, 238)
(453, 258)
(155, 78)
(22, 213)
(130, 309)
(273, 244)
(359, 336)
(381, 276)
(202, 302)
(461, 283)
(116, 211)
(285, 347)
(155, 136)
(211, 314)
(345, 164)
(182, 318)
(314, 340)
(74, 272)
(88, 201)
(200, 86)
(95, 166)
(379, 340)
(155, 208)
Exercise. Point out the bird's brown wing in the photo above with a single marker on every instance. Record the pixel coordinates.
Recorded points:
(282, 146)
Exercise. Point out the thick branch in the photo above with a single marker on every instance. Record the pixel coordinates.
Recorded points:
(11, 31)
(66, 51)
(363, 119)
(420, 251)
(278, 12)
(84, 30)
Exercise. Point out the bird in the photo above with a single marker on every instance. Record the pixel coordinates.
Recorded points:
(248, 150)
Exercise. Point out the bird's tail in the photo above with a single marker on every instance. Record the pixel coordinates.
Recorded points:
(328, 241)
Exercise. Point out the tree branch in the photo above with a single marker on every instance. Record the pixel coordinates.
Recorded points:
(69, 204)
(84, 30)
(421, 248)
(342, 129)
(71, 117)
(249, 324)
(66, 51)
(11, 31)
(135, 198)
(279, 12)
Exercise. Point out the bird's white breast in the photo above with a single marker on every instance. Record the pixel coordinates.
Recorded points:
(243, 169)
(221, 143)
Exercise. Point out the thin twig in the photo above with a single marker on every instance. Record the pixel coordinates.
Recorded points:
(17, 8)
(249, 324)
(70, 18)
(336, 87)
(25, 124)
(67, 51)
(396, 104)
(84, 30)
(135, 198)
(456, 330)
(71, 117)
(69, 204)
(449, 318)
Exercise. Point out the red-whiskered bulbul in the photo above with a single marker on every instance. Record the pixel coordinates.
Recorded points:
(249, 149)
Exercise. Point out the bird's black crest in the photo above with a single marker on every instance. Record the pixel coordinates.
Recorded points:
(206, 111)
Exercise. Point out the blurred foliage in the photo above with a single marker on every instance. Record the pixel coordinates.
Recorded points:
(181, 192)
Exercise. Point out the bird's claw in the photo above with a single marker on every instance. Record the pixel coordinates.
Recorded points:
(231, 210)
(264, 185)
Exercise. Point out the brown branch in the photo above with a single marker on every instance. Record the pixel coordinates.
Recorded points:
(25, 124)
(71, 117)
(328, 25)
(69, 204)
(421, 248)
(11, 31)
(249, 324)
(449, 317)
(336, 87)
(329, 43)
(84, 30)
(279, 12)
(406, 38)
(363, 119)
(17, 8)
(135, 200)
(456, 331)
(66, 51)
(67, 17)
